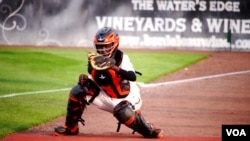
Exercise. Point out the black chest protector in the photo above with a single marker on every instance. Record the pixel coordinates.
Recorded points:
(110, 81)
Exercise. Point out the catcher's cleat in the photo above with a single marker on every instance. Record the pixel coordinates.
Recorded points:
(64, 130)
(157, 133)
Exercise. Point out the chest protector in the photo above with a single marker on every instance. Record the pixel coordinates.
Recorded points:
(110, 81)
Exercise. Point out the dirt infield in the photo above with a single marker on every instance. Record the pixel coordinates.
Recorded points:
(191, 104)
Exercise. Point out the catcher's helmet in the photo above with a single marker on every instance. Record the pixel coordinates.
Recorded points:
(106, 41)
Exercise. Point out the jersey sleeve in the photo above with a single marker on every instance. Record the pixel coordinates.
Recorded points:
(126, 64)
(127, 70)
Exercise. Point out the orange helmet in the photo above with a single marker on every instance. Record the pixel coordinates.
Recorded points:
(106, 41)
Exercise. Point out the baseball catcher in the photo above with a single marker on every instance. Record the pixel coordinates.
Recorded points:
(112, 71)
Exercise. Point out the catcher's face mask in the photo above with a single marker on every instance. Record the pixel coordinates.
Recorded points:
(105, 49)
(106, 41)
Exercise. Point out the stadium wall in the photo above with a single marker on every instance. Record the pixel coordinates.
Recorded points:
(186, 24)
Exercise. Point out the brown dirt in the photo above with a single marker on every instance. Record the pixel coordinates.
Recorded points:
(193, 110)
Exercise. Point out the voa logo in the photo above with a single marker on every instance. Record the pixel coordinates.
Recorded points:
(236, 132)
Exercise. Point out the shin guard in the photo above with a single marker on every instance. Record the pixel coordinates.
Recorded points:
(124, 114)
(75, 109)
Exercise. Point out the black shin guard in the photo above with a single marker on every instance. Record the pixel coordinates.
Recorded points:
(141, 126)
(75, 109)
(134, 120)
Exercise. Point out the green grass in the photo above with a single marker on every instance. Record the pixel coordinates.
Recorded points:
(157, 64)
(37, 69)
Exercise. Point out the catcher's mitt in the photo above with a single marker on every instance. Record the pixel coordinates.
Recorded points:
(99, 62)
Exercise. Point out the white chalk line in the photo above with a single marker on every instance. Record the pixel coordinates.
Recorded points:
(193, 79)
(35, 92)
(140, 84)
